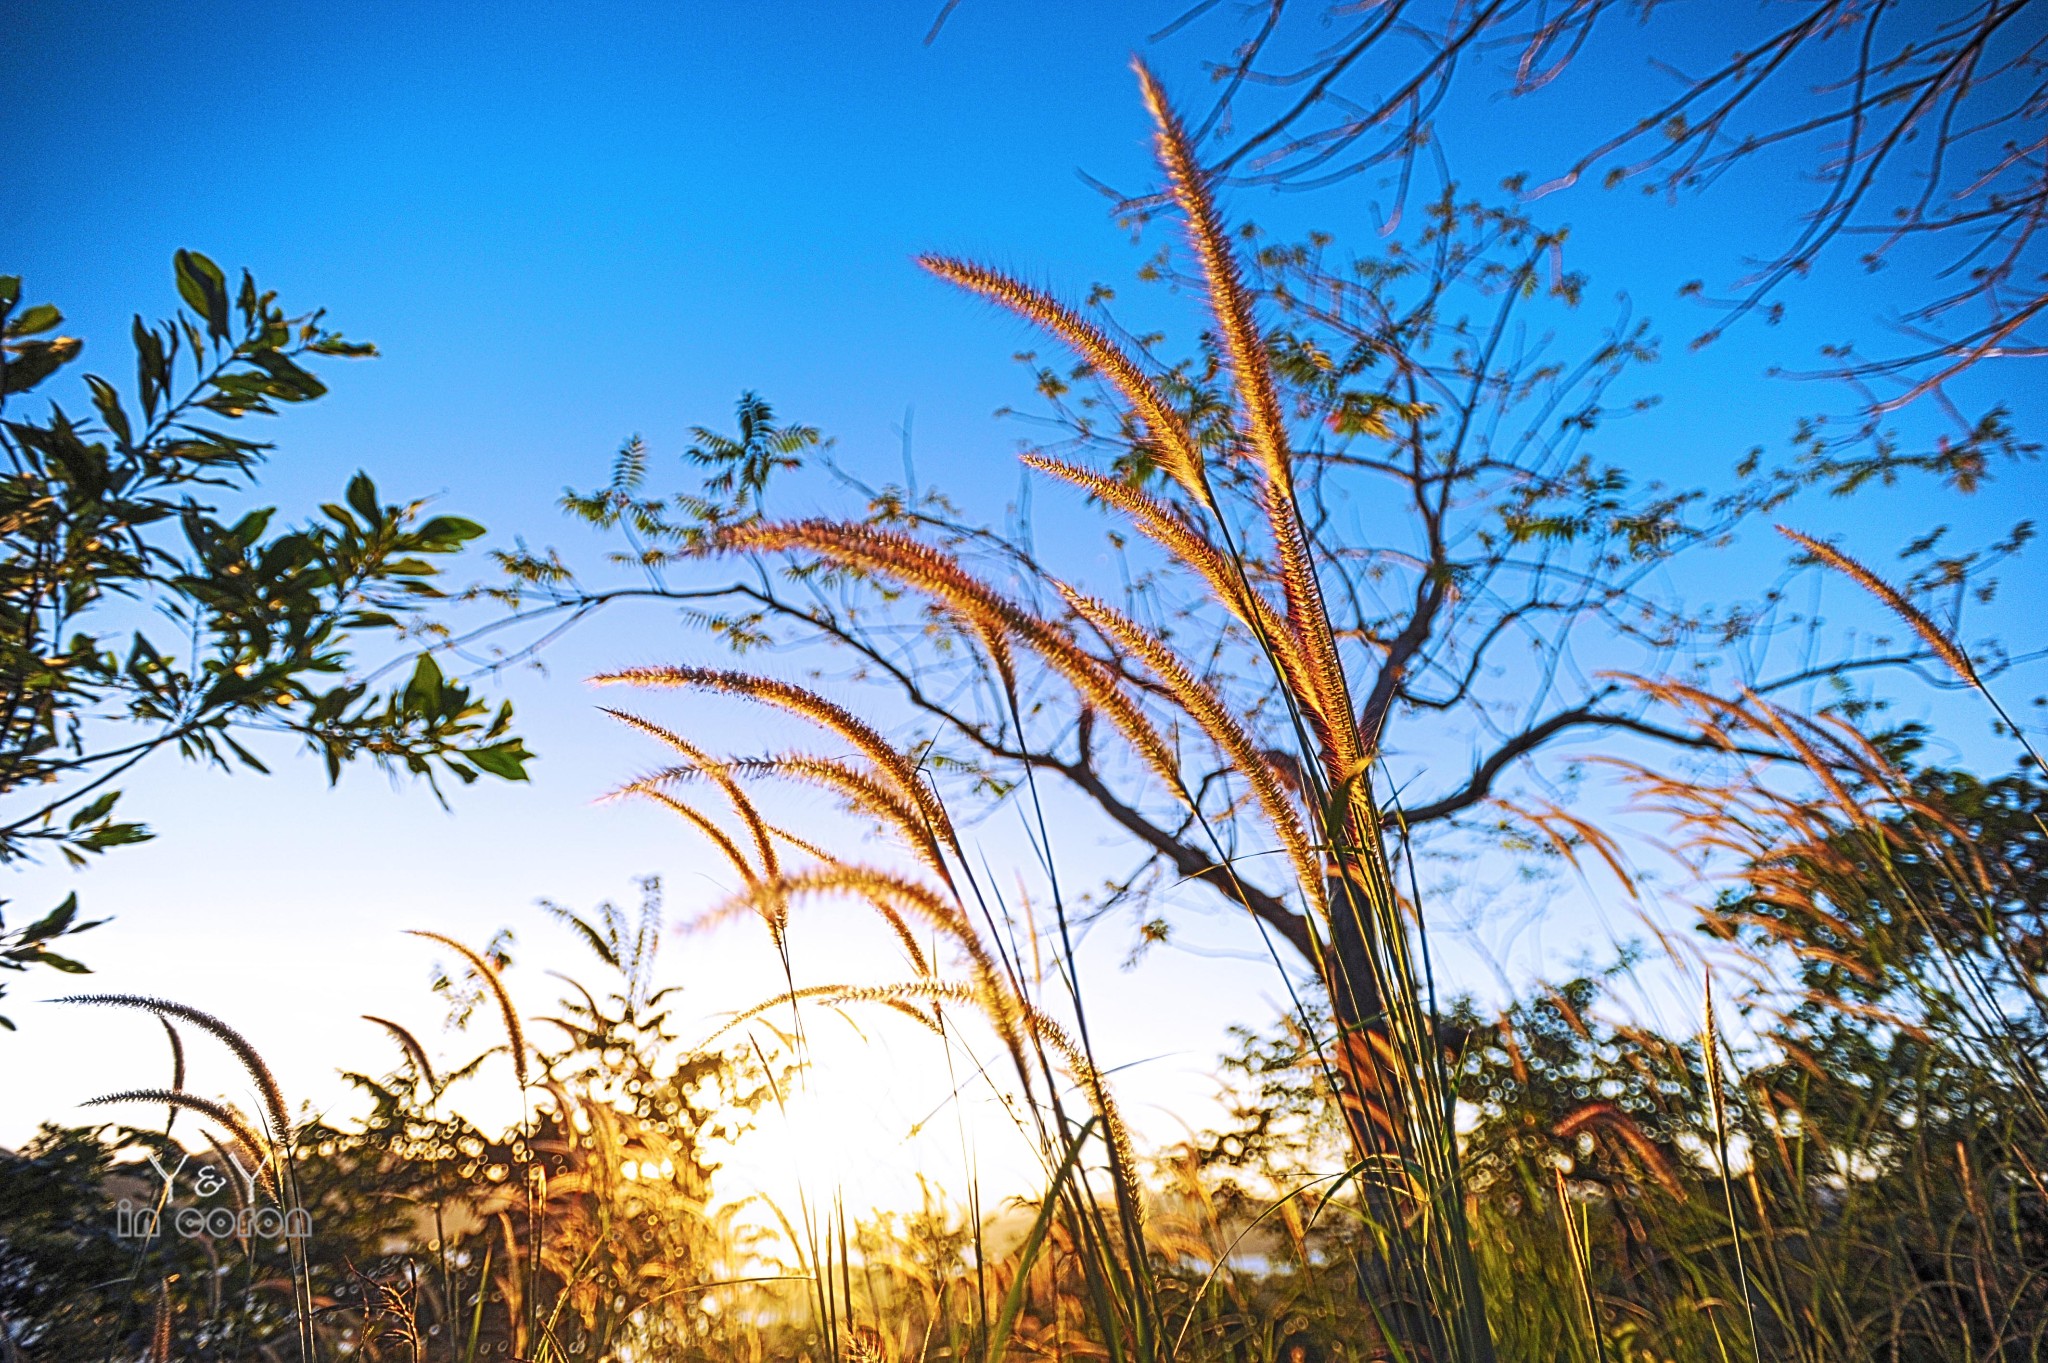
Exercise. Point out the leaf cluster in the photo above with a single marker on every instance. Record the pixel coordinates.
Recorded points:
(137, 614)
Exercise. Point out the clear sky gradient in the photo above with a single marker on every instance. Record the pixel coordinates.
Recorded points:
(564, 224)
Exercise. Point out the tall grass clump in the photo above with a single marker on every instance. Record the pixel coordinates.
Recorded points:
(1234, 521)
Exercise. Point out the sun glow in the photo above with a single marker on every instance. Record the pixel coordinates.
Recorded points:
(881, 1116)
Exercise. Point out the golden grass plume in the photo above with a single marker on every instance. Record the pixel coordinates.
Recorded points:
(1214, 719)
(1264, 422)
(218, 1113)
(410, 1044)
(275, 1112)
(716, 770)
(1176, 449)
(997, 620)
(897, 897)
(1936, 639)
(827, 714)
(515, 1031)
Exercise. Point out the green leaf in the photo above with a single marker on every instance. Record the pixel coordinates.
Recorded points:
(109, 402)
(202, 285)
(423, 692)
(506, 761)
(54, 923)
(291, 383)
(152, 370)
(114, 835)
(362, 495)
(95, 811)
(41, 317)
(268, 617)
(446, 532)
(250, 528)
(34, 361)
(330, 344)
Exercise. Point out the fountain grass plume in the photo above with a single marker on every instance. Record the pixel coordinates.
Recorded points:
(515, 1031)
(410, 1044)
(219, 1113)
(275, 1112)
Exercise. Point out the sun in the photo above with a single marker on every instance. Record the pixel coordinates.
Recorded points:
(879, 1115)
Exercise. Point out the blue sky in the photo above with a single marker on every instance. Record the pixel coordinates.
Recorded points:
(564, 224)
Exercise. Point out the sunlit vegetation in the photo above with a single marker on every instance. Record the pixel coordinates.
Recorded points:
(1859, 1177)
(1839, 1151)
